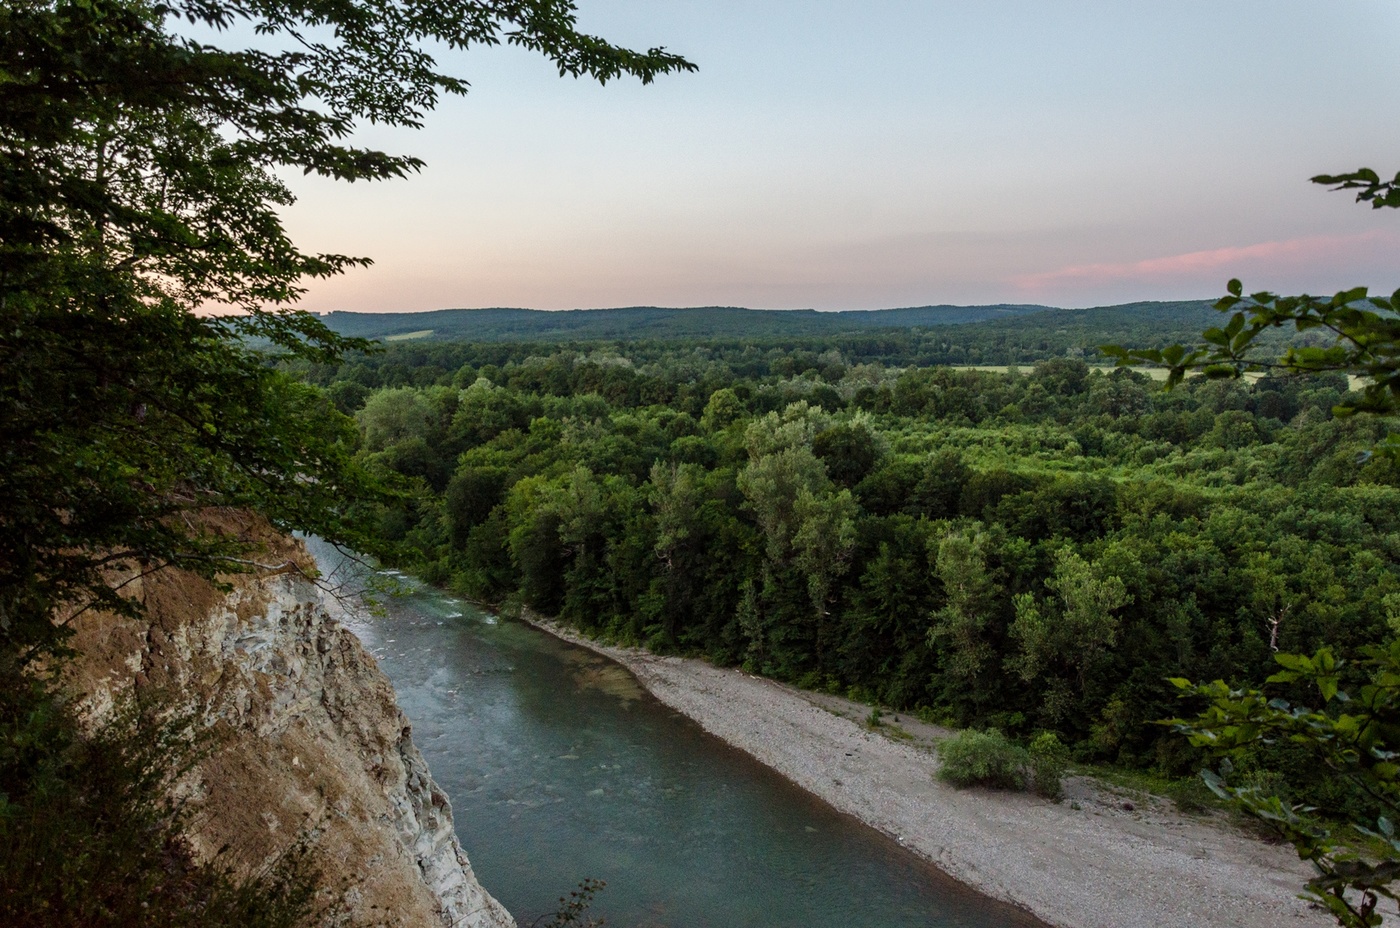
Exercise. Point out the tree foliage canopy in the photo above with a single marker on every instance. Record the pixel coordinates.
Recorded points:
(138, 187)
(1030, 551)
(139, 194)
(1353, 738)
(1357, 852)
(1363, 331)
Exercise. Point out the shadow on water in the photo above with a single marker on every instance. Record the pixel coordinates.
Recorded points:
(560, 766)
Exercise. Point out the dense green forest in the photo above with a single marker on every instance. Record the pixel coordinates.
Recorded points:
(749, 344)
(1036, 550)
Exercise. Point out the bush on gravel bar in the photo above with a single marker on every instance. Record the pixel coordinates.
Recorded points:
(983, 758)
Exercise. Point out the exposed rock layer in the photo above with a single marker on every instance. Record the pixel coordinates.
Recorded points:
(309, 739)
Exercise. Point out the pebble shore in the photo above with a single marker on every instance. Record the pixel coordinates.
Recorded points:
(1101, 858)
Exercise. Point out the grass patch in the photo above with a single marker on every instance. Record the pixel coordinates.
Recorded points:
(1188, 794)
(897, 732)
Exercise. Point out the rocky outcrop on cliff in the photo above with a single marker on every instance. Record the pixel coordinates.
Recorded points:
(308, 740)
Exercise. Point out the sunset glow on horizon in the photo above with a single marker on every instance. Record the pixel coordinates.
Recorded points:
(842, 155)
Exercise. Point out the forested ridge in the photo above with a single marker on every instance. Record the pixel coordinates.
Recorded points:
(750, 345)
(507, 324)
(1035, 551)
(639, 323)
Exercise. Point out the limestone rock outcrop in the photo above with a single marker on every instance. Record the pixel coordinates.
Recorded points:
(308, 740)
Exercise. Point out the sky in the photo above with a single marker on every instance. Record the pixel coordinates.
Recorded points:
(858, 155)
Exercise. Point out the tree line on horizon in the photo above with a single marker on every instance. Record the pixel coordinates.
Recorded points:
(933, 325)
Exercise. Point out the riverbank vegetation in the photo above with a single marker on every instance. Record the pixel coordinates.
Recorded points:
(1034, 551)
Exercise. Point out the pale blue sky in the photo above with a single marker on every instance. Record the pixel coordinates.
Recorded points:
(835, 155)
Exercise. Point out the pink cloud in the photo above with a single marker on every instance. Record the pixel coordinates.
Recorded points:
(1213, 262)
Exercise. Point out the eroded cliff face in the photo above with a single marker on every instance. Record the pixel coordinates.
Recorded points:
(308, 738)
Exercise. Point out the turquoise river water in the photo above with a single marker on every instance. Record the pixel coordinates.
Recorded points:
(559, 767)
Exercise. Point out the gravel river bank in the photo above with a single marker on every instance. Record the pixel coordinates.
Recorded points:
(1100, 859)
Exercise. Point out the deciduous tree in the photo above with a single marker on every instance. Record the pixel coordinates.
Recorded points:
(138, 184)
(1357, 739)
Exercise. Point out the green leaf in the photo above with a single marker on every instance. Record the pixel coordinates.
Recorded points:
(1353, 295)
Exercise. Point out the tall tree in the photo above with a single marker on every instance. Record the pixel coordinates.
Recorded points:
(138, 185)
(959, 560)
(139, 189)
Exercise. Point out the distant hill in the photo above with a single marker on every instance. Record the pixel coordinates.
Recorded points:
(651, 322)
(1036, 328)
(1181, 319)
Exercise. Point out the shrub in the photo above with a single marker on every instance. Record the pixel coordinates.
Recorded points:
(983, 758)
(573, 908)
(1049, 760)
(90, 838)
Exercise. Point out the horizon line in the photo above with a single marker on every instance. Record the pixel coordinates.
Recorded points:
(753, 309)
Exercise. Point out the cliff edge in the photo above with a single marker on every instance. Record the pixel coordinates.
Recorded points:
(307, 738)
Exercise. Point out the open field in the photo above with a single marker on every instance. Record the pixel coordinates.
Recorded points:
(1156, 373)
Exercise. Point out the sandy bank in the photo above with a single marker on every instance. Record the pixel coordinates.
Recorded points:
(1116, 861)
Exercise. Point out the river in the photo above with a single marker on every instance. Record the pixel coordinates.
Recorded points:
(560, 767)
